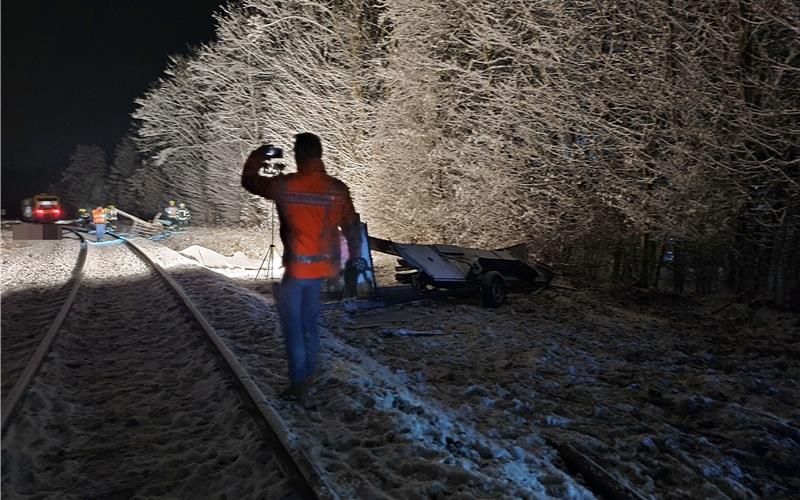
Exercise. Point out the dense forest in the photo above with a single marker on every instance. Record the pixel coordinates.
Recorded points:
(652, 143)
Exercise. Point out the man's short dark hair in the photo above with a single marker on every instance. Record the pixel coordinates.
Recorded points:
(307, 146)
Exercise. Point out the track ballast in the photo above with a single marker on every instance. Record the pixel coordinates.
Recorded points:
(138, 396)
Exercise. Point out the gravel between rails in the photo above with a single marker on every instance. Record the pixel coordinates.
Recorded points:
(132, 402)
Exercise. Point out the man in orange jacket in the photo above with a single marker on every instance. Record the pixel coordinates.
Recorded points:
(99, 220)
(312, 208)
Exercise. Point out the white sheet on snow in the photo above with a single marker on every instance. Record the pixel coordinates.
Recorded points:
(210, 258)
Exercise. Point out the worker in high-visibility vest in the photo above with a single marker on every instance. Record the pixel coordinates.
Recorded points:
(312, 207)
(170, 213)
(99, 220)
(182, 216)
(83, 218)
(111, 217)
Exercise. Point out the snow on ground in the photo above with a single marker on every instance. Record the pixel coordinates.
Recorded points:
(253, 243)
(668, 399)
(673, 408)
(361, 424)
(671, 400)
(36, 264)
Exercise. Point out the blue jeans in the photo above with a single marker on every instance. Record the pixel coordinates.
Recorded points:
(100, 230)
(298, 308)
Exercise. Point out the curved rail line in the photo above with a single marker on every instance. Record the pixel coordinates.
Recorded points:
(299, 465)
(17, 392)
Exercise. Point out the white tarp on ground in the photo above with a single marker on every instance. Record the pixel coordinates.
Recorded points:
(210, 258)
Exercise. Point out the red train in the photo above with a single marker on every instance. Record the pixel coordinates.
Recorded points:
(42, 208)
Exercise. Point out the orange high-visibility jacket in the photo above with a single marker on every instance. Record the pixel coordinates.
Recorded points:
(98, 216)
(312, 207)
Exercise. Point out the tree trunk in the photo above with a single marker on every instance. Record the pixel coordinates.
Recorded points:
(646, 258)
(659, 263)
(616, 268)
(678, 270)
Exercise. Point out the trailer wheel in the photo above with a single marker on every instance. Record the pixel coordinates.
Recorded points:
(493, 289)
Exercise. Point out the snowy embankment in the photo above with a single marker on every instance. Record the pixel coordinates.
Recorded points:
(668, 399)
(669, 406)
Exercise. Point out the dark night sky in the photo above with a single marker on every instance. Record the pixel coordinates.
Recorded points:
(71, 70)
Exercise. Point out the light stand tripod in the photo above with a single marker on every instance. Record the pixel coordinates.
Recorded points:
(269, 169)
(269, 258)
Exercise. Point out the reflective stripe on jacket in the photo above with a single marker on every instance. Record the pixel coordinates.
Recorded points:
(98, 216)
(312, 206)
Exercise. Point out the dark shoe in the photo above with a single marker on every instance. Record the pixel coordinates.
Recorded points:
(294, 392)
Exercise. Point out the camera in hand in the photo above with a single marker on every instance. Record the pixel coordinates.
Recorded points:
(271, 152)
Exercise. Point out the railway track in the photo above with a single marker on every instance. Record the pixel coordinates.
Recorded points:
(121, 401)
(28, 314)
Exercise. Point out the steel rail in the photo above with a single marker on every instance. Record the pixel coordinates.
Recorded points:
(314, 484)
(17, 392)
(302, 466)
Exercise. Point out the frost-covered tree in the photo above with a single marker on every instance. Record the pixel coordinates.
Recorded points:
(455, 147)
(172, 135)
(126, 162)
(275, 70)
(606, 129)
(84, 180)
(618, 122)
(681, 117)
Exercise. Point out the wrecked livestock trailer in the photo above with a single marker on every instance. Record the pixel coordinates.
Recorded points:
(492, 273)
